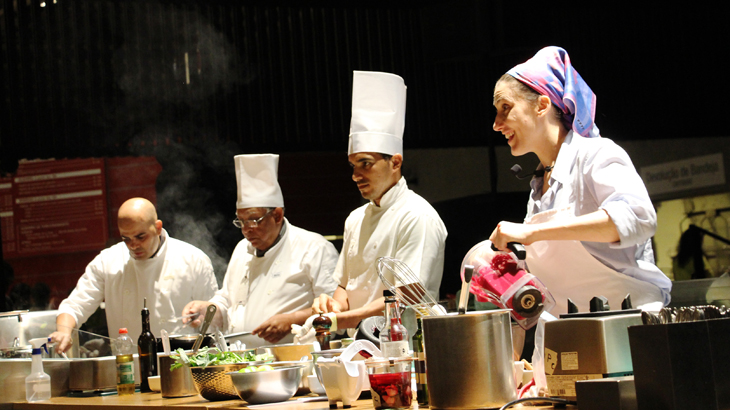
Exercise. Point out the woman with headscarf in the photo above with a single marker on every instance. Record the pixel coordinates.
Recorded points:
(589, 218)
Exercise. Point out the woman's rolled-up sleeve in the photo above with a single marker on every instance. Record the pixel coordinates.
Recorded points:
(620, 191)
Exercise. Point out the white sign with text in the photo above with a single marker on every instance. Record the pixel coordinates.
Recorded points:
(692, 173)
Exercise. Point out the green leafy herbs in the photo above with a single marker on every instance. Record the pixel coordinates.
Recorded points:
(212, 357)
(263, 357)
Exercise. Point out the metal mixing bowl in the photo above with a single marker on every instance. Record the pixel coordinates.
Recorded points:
(268, 386)
(308, 369)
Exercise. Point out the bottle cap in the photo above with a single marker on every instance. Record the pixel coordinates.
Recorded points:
(123, 331)
(387, 293)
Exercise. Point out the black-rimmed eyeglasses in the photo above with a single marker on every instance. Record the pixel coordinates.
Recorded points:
(250, 223)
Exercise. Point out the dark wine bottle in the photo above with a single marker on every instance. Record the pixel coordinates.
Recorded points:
(147, 345)
(420, 365)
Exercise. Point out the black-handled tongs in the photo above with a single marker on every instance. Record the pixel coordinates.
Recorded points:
(210, 312)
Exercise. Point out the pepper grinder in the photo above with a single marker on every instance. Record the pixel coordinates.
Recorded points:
(322, 325)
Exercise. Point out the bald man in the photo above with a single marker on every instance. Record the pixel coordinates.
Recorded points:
(147, 264)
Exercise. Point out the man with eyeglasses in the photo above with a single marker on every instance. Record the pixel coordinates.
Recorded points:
(149, 264)
(396, 222)
(276, 271)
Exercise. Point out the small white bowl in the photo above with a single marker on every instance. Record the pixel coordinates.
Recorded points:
(154, 382)
(315, 386)
(526, 377)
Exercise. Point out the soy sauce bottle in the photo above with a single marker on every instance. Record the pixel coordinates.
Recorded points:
(147, 345)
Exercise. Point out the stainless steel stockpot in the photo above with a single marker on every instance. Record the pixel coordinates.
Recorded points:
(469, 361)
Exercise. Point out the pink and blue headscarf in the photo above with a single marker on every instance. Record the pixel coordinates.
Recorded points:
(550, 73)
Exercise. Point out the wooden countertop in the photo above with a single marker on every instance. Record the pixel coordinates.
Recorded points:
(154, 401)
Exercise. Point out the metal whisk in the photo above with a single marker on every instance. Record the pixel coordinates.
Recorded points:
(408, 288)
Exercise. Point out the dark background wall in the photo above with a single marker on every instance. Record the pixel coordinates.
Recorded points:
(88, 78)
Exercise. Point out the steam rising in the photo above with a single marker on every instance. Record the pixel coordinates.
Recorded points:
(195, 189)
(168, 76)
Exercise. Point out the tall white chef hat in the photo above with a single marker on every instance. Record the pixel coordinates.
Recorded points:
(256, 176)
(378, 113)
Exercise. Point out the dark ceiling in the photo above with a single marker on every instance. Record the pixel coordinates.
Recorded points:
(94, 78)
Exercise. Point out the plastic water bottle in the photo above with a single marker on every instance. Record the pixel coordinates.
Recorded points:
(38, 383)
(124, 349)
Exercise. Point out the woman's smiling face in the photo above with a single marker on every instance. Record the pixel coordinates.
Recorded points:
(515, 119)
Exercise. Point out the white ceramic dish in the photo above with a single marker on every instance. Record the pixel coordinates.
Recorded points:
(315, 386)
(154, 382)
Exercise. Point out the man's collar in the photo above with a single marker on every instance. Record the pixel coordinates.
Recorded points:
(282, 231)
(159, 245)
(392, 194)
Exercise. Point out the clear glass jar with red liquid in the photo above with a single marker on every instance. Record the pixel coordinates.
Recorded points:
(390, 382)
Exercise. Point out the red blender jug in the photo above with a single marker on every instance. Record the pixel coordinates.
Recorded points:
(502, 278)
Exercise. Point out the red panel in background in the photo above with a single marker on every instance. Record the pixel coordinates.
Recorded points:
(60, 206)
(129, 177)
(69, 202)
(7, 222)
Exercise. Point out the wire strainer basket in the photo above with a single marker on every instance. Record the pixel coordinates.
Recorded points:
(407, 287)
(214, 384)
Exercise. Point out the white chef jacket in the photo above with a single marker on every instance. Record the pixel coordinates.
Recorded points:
(286, 279)
(177, 274)
(595, 173)
(405, 227)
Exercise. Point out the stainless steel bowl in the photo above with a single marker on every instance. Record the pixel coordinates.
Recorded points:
(306, 371)
(267, 386)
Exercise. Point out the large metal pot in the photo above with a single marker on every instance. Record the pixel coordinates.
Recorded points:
(97, 373)
(19, 352)
(184, 342)
(469, 360)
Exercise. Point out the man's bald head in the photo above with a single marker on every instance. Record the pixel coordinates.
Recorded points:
(139, 227)
(138, 209)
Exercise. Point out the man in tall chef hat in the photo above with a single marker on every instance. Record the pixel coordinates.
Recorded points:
(277, 270)
(149, 264)
(396, 222)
